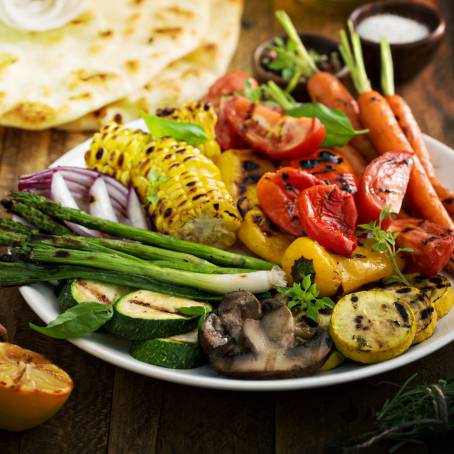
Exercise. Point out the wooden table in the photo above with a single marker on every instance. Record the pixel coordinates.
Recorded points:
(117, 411)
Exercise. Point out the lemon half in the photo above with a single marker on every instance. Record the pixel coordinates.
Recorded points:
(32, 389)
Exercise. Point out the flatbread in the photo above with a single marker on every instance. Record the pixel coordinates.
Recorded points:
(111, 50)
(186, 79)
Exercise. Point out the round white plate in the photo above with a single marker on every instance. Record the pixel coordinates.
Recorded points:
(43, 302)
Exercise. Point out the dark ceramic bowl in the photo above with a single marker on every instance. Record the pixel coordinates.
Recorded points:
(319, 44)
(409, 58)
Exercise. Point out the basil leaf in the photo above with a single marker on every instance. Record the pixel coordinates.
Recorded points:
(339, 130)
(76, 321)
(188, 132)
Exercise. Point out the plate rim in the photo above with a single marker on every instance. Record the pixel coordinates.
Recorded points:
(330, 378)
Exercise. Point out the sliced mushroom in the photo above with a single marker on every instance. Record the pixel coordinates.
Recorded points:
(256, 339)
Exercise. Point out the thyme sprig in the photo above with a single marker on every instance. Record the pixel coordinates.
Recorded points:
(385, 241)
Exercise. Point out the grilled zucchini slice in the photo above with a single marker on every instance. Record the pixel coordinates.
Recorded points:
(422, 308)
(438, 289)
(176, 352)
(87, 291)
(143, 315)
(372, 326)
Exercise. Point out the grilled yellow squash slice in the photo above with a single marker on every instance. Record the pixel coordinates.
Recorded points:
(422, 308)
(438, 289)
(372, 326)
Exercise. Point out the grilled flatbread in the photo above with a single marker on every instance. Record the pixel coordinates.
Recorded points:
(111, 50)
(184, 80)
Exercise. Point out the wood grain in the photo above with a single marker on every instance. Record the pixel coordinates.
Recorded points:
(115, 411)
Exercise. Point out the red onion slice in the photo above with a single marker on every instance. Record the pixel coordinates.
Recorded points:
(136, 212)
(100, 204)
(60, 193)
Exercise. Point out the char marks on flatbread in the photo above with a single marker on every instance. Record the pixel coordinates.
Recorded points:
(111, 50)
(186, 79)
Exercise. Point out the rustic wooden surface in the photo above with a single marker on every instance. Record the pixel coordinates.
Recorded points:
(117, 411)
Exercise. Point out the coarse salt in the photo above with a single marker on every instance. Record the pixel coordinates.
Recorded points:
(396, 29)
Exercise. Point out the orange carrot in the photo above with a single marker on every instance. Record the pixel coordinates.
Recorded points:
(325, 88)
(409, 126)
(386, 134)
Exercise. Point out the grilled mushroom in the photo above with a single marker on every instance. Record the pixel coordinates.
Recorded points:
(249, 338)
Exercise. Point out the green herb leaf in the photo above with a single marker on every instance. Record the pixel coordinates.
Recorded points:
(384, 241)
(78, 320)
(162, 127)
(304, 297)
(155, 181)
(339, 130)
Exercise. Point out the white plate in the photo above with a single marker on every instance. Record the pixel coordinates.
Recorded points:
(43, 302)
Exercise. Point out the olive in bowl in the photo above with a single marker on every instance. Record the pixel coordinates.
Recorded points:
(324, 52)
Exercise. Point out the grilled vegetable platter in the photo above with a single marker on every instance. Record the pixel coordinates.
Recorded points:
(262, 236)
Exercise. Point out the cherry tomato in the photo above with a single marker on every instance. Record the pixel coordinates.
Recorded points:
(277, 135)
(432, 244)
(329, 216)
(384, 183)
(226, 136)
(229, 84)
(329, 166)
(277, 194)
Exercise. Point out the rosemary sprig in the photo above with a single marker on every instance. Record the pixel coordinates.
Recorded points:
(304, 297)
(413, 414)
(385, 242)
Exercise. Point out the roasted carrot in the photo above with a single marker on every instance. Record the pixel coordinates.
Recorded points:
(410, 127)
(386, 134)
(327, 89)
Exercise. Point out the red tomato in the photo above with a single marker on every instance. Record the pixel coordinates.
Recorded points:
(432, 244)
(329, 166)
(277, 135)
(384, 183)
(329, 216)
(229, 84)
(226, 136)
(277, 194)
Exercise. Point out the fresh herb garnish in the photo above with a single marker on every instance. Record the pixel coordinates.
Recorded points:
(76, 321)
(414, 414)
(339, 130)
(384, 241)
(155, 181)
(304, 297)
(197, 311)
(162, 127)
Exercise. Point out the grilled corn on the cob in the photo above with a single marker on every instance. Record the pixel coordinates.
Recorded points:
(181, 188)
(114, 150)
(199, 113)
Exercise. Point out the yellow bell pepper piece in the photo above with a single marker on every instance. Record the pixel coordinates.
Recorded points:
(364, 267)
(306, 256)
(335, 273)
(260, 237)
(241, 170)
